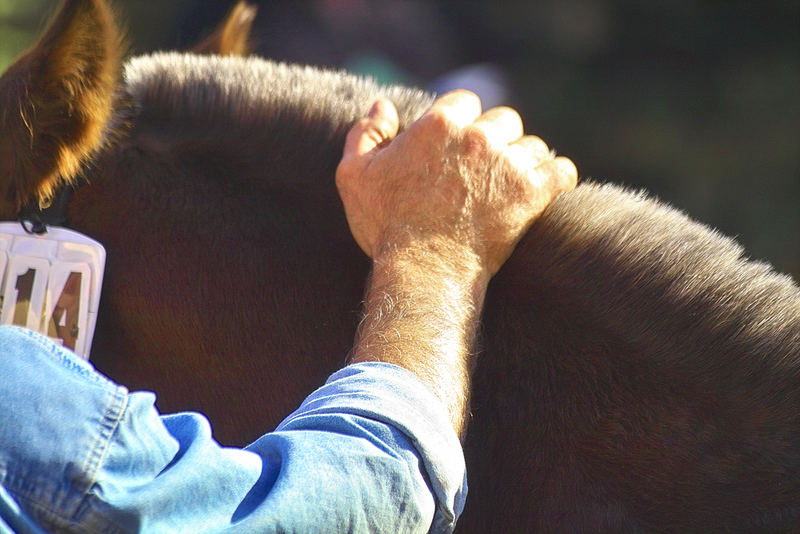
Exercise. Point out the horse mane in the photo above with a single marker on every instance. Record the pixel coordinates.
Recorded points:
(671, 284)
(250, 92)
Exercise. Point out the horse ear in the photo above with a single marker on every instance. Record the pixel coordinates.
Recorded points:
(232, 36)
(56, 102)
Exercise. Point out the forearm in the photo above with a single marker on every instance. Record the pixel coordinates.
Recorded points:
(421, 313)
(439, 209)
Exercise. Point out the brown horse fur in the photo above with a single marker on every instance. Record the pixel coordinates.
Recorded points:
(637, 373)
(232, 36)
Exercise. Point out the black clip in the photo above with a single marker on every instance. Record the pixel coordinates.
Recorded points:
(32, 223)
(35, 220)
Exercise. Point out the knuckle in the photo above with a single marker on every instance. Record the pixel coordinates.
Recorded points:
(375, 135)
(344, 172)
(437, 122)
(557, 175)
(546, 173)
(538, 147)
(354, 132)
(504, 112)
(361, 125)
(533, 149)
(520, 158)
(476, 140)
(381, 129)
(521, 189)
(466, 95)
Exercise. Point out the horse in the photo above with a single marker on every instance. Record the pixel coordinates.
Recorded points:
(636, 373)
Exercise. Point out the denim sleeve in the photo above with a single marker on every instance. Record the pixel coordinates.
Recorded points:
(395, 413)
(370, 451)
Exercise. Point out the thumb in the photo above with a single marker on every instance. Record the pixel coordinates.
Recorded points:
(370, 132)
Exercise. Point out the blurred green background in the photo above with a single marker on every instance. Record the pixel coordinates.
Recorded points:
(696, 101)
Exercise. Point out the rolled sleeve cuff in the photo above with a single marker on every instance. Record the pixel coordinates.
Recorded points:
(396, 397)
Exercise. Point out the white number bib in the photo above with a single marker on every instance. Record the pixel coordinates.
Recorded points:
(51, 283)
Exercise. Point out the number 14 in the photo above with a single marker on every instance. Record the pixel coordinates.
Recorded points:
(61, 290)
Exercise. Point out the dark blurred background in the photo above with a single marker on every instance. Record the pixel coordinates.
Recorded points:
(696, 101)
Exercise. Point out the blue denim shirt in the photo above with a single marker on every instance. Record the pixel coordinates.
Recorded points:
(371, 451)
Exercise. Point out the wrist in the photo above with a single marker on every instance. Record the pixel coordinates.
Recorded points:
(434, 256)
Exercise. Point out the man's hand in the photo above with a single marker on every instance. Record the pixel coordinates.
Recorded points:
(439, 210)
(455, 177)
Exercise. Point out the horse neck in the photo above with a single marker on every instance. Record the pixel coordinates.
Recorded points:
(288, 116)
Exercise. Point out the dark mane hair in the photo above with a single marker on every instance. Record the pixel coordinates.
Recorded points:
(250, 92)
(674, 286)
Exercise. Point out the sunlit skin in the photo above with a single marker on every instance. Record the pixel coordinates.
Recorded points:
(439, 209)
